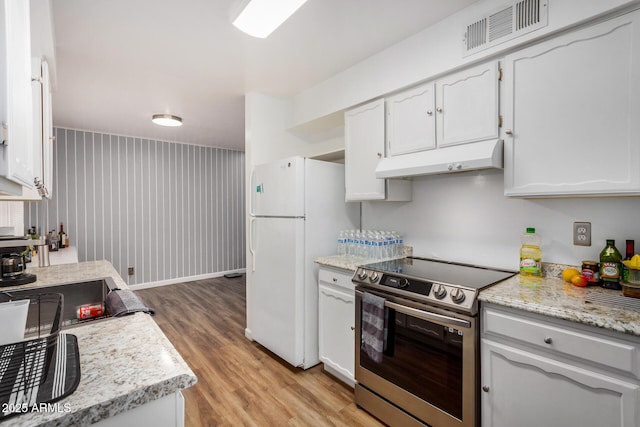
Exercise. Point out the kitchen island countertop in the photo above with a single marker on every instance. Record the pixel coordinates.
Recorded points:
(125, 362)
(556, 298)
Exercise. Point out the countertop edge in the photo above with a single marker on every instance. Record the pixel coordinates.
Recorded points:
(121, 404)
(554, 298)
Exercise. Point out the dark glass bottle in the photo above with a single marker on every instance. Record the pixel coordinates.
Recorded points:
(610, 266)
(630, 250)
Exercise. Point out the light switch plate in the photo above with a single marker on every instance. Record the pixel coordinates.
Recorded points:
(582, 234)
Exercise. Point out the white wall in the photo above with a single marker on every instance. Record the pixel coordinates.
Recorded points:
(465, 217)
(267, 136)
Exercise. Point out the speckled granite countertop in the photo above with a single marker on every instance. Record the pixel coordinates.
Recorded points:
(553, 297)
(345, 262)
(125, 362)
(351, 262)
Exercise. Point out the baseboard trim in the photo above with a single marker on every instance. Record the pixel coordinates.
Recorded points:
(184, 279)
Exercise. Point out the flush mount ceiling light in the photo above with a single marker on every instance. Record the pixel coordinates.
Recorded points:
(259, 18)
(166, 120)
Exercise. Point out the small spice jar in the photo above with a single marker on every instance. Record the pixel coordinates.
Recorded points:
(591, 270)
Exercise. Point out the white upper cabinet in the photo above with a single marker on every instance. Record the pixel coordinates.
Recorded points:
(43, 127)
(572, 124)
(459, 108)
(364, 129)
(16, 152)
(411, 121)
(467, 105)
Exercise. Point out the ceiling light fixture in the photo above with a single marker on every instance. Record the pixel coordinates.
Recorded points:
(166, 120)
(259, 18)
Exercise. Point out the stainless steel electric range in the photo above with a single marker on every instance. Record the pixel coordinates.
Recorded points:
(429, 370)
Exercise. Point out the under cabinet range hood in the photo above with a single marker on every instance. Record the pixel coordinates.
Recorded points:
(457, 158)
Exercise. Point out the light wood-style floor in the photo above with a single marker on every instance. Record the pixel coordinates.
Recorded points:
(239, 381)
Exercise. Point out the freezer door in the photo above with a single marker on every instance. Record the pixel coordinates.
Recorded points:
(277, 287)
(277, 188)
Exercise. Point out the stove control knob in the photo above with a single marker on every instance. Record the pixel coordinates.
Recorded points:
(374, 277)
(439, 291)
(404, 282)
(362, 275)
(457, 296)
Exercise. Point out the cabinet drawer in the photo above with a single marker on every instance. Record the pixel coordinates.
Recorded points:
(337, 278)
(562, 339)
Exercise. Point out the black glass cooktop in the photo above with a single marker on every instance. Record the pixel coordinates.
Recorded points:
(433, 270)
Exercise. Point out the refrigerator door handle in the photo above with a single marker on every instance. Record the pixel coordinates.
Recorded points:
(251, 248)
(251, 195)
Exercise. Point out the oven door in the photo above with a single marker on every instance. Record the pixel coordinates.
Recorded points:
(429, 365)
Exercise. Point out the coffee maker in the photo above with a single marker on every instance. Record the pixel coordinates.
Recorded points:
(12, 261)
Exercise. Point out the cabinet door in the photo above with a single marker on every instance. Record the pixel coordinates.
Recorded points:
(572, 108)
(467, 105)
(42, 127)
(16, 162)
(364, 147)
(524, 389)
(47, 131)
(336, 330)
(411, 121)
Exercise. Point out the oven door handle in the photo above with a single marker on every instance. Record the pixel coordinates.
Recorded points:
(424, 315)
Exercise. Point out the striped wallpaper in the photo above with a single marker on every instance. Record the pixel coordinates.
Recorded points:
(169, 210)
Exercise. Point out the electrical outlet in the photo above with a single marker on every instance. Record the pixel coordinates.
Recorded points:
(130, 271)
(582, 233)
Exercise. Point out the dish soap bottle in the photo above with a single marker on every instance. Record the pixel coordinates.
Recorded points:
(530, 254)
(610, 262)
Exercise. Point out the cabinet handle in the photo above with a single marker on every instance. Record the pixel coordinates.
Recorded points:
(379, 155)
(429, 113)
(548, 340)
(334, 280)
(439, 109)
(485, 388)
(508, 132)
(353, 328)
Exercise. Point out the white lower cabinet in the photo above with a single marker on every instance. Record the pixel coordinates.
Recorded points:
(168, 411)
(541, 373)
(336, 323)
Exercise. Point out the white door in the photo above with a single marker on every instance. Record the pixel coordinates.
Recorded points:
(467, 105)
(528, 390)
(364, 148)
(277, 188)
(571, 116)
(277, 286)
(336, 330)
(16, 161)
(411, 121)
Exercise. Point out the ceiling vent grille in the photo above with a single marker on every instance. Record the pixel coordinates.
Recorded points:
(505, 23)
(476, 34)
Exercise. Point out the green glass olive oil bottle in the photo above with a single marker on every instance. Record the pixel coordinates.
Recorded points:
(610, 266)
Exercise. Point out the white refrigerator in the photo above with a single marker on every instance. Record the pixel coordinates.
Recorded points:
(297, 207)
